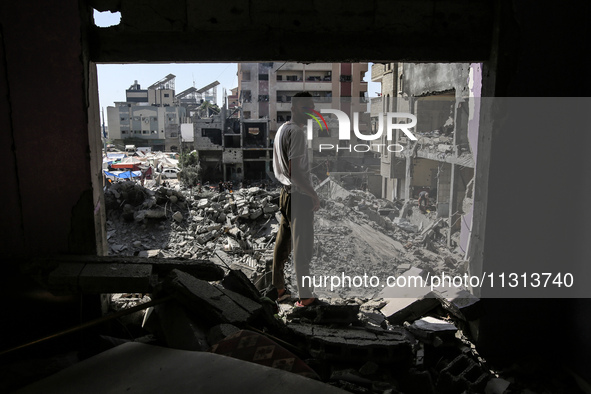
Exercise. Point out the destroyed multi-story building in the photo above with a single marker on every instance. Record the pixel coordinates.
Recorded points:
(231, 148)
(441, 160)
(266, 90)
(237, 148)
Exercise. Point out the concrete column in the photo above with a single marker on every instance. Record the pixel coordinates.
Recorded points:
(454, 217)
(408, 177)
(96, 161)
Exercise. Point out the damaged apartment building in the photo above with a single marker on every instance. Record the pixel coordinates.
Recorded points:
(231, 148)
(153, 117)
(441, 160)
(237, 144)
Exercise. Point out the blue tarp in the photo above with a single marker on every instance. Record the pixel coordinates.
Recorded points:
(123, 174)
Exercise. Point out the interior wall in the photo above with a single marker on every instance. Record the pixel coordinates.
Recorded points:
(45, 146)
(534, 43)
(422, 174)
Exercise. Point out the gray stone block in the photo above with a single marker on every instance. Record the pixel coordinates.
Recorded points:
(399, 310)
(115, 278)
(327, 314)
(206, 300)
(236, 280)
(351, 344)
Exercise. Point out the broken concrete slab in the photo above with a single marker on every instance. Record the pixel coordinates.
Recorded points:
(406, 225)
(206, 237)
(399, 310)
(64, 278)
(236, 281)
(461, 303)
(208, 301)
(231, 245)
(256, 213)
(391, 347)
(151, 253)
(202, 269)
(236, 232)
(433, 331)
(327, 314)
(372, 318)
(114, 278)
(250, 272)
(252, 307)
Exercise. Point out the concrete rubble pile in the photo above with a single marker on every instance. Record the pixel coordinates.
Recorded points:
(347, 342)
(231, 228)
(357, 233)
(367, 343)
(354, 232)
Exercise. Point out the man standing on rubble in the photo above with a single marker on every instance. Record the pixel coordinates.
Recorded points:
(298, 200)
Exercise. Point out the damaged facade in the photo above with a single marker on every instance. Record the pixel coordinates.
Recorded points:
(231, 148)
(442, 159)
(154, 117)
(237, 144)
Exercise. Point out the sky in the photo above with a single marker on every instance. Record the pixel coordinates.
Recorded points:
(114, 79)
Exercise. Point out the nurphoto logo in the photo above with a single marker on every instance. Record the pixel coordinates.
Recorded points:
(345, 127)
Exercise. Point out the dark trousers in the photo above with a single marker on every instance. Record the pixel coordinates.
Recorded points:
(295, 230)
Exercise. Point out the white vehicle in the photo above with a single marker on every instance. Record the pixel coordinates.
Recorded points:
(170, 172)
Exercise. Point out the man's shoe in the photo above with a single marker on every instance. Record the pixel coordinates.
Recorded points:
(306, 302)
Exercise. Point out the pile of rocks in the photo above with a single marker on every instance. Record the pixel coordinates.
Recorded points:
(174, 222)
